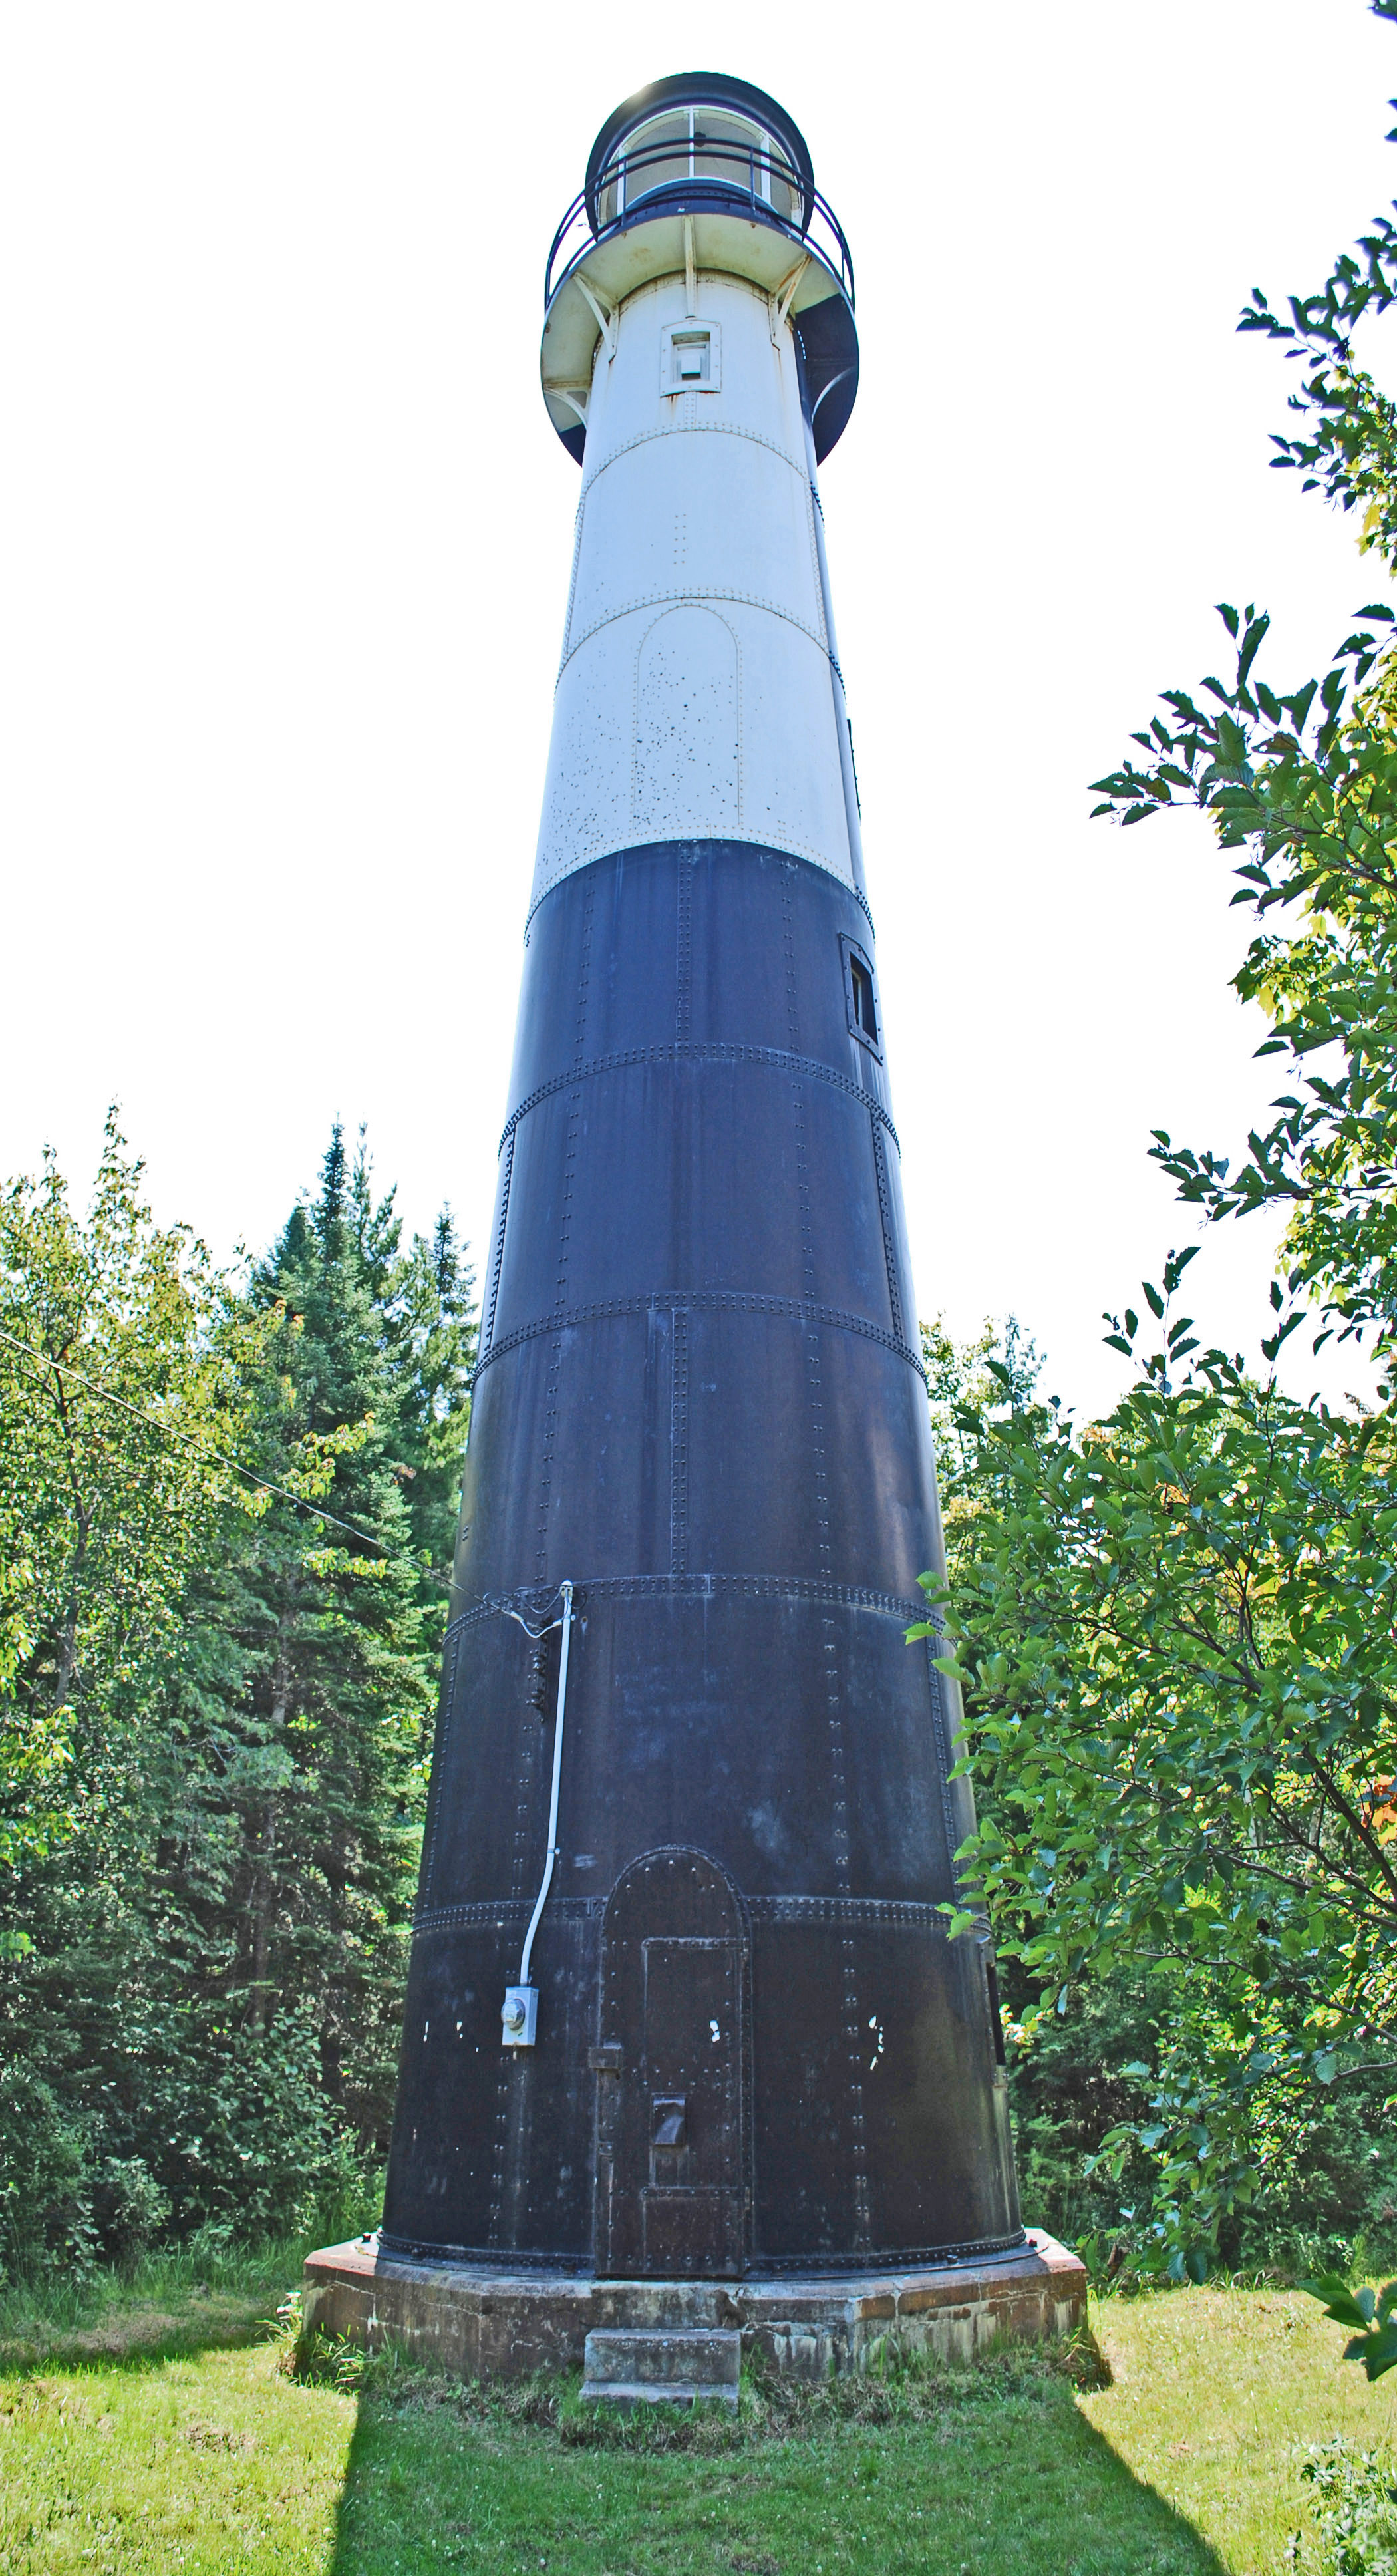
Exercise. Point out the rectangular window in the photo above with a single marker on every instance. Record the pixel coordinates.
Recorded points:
(691, 357)
(861, 997)
(693, 351)
(862, 982)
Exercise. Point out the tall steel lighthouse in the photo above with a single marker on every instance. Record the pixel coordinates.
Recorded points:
(681, 2002)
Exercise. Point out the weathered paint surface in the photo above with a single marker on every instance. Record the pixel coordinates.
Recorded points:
(699, 1401)
(694, 695)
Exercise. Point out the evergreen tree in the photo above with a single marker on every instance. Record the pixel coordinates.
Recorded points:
(211, 2010)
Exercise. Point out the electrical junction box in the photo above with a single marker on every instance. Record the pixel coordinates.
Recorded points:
(519, 2016)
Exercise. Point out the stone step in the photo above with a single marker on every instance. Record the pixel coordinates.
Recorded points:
(661, 2365)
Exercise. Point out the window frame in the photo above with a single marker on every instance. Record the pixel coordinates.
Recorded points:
(851, 951)
(768, 159)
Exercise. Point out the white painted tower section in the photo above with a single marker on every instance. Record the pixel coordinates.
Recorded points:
(699, 696)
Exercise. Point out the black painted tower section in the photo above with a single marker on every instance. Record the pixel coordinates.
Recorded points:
(699, 1400)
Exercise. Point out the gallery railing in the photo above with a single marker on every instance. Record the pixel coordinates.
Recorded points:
(720, 178)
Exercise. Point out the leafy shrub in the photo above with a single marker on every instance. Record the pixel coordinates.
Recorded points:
(45, 2181)
(1354, 2506)
(128, 2207)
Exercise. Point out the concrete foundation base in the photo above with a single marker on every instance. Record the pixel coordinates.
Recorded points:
(482, 2323)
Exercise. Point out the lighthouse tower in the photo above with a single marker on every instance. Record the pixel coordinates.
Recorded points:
(682, 2003)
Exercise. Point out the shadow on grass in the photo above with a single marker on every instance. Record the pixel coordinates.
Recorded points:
(931, 2469)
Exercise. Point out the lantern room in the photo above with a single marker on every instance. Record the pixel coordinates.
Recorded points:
(699, 133)
(700, 173)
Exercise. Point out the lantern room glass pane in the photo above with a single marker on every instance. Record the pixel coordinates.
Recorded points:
(736, 153)
(742, 155)
(647, 164)
(711, 144)
(784, 194)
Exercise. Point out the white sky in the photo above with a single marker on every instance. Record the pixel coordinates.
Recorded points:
(284, 549)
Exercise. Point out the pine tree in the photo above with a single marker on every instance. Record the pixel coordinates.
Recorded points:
(211, 2011)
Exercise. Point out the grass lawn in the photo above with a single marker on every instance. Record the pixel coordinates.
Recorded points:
(164, 2434)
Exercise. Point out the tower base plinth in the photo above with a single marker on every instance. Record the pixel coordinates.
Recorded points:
(485, 2322)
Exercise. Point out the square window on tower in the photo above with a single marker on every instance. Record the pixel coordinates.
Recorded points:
(690, 358)
(860, 997)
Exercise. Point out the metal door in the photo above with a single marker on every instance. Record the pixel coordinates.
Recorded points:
(670, 2166)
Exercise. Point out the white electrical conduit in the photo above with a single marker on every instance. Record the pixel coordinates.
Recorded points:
(542, 1897)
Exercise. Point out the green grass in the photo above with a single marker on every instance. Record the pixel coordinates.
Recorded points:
(197, 2462)
(176, 2302)
(194, 2450)
(1217, 2393)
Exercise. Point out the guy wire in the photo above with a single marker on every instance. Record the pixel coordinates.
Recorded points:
(44, 1359)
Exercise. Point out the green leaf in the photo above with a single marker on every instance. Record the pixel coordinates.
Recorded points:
(1377, 2352)
(1337, 2300)
(1251, 644)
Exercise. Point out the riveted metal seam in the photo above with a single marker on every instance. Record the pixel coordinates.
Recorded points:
(763, 2266)
(450, 1659)
(739, 1301)
(576, 562)
(505, 1913)
(945, 1753)
(829, 1642)
(700, 429)
(498, 1262)
(697, 1587)
(692, 597)
(885, 1214)
(878, 1913)
(884, 1913)
(679, 1441)
(700, 1051)
(873, 2259)
(788, 849)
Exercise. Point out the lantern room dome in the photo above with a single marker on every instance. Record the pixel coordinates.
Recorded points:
(701, 171)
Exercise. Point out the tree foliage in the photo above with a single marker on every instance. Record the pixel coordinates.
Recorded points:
(1177, 1628)
(120, 1398)
(1373, 2316)
(202, 2028)
(1176, 1633)
(1301, 782)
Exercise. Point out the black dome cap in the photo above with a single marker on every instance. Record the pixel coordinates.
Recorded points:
(701, 89)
